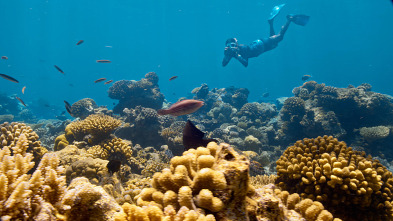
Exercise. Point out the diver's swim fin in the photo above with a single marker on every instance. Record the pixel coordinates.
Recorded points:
(299, 19)
(275, 11)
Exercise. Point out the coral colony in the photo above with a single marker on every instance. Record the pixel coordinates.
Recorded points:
(301, 158)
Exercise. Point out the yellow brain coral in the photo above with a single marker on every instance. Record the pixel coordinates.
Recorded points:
(346, 182)
(111, 149)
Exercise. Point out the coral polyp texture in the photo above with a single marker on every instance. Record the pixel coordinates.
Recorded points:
(350, 185)
(112, 149)
(133, 93)
(83, 108)
(96, 128)
(10, 133)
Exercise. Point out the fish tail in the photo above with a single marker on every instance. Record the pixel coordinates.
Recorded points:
(162, 112)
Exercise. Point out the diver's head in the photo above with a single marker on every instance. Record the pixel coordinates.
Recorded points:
(232, 43)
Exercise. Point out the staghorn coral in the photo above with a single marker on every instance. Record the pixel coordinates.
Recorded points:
(83, 108)
(348, 184)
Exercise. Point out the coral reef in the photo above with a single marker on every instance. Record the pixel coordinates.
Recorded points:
(10, 133)
(83, 108)
(112, 149)
(133, 93)
(26, 196)
(142, 126)
(348, 184)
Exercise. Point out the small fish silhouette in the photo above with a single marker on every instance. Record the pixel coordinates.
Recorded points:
(306, 77)
(59, 69)
(23, 90)
(80, 42)
(68, 107)
(193, 137)
(4, 57)
(103, 61)
(99, 80)
(172, 78)
(20, 100)
(113, 166)
(9, 78)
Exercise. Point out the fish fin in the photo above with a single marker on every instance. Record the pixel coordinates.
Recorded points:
(161, 112)
(192, 136)
(275, 11)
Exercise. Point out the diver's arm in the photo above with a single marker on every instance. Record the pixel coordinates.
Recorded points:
(228, 54)
(242, 60)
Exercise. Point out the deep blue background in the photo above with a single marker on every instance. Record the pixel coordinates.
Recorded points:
(345, 42)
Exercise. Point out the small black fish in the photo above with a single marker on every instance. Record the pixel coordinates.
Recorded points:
(99, 80)
(59, 69)
(9, 78)
(172, 78)
(68, 107)
(306, 77)
(265, 94)
(113, 166)
(79, 42)
(193, 137)
(20, 100)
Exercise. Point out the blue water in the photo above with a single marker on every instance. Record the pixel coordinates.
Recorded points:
(345, 42)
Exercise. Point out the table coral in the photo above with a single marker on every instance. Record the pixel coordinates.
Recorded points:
(348, 184)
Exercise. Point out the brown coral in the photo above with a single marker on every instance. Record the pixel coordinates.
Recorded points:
(100, 126)
(115, 148)
(346, 182)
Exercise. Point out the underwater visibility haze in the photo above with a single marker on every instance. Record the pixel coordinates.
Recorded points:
(196, 110)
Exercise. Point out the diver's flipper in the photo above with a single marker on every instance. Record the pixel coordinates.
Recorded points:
(299, 19)
(275, 11)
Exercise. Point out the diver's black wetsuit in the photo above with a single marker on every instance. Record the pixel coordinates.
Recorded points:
(243, 52)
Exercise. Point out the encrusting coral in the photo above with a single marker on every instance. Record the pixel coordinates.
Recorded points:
(348, 184)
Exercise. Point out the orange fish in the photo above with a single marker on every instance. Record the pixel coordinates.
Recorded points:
(61, 71)
(23, 90)
(20, 100)
(172, 78)
(79, 42)
(103, 61)
(4, 57)
(183, 107)
(99, 80)
(108, 82)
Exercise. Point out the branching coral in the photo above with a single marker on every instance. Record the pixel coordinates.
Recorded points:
(113, 149)
(10, 133)
(24, 196)
(346, 182)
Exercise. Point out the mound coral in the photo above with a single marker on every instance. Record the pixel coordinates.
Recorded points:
(112, 149)
(348, 184)
(371, 134)
(133, 93)
(83, 108)
(97, 126)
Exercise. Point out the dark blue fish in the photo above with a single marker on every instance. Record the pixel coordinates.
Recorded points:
(193, 137)
(9, 78)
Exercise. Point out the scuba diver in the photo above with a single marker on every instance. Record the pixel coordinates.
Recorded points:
(243, 52)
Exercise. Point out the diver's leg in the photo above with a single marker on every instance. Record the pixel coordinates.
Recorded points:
(284, 29)
(271, 27)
